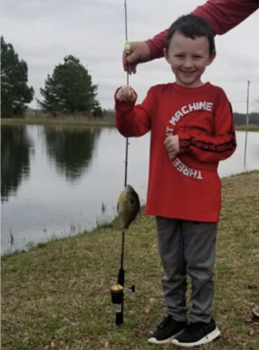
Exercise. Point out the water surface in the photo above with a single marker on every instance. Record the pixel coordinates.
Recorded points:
(59, 181)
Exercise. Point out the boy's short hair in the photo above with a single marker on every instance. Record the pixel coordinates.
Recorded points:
(192, 26)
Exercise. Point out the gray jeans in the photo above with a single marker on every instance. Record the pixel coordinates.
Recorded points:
(187, 248)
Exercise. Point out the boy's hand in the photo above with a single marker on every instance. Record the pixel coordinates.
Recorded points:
(126, 94)
(172, 144)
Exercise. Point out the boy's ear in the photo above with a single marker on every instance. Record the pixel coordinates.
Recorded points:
(212, 57)
(166, 55)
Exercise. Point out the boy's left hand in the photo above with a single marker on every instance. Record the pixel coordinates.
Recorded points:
(172, 144)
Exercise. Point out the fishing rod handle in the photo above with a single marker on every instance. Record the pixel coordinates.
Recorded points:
(119, 318)
(121, 277)
(117, 295)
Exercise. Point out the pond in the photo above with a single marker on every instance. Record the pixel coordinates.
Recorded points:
(60, 181)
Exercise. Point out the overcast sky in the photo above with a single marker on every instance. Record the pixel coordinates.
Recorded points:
(43, 32)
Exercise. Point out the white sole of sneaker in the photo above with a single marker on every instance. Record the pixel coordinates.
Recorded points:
(256, 312)
(166, 341)
(209, 337)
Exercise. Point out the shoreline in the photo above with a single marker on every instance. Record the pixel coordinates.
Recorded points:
(86, 122)
(100, 226)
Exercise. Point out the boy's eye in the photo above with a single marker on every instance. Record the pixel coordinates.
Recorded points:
(197, 57)
(179, 56)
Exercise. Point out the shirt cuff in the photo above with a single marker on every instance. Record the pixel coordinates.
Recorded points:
(184, 143)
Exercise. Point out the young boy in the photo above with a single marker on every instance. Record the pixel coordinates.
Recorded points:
(192, 130)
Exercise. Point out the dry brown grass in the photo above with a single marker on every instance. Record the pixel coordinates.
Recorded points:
(64, 121)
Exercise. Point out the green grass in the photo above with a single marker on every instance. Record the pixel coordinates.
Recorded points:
(58, 296)
(248, 128)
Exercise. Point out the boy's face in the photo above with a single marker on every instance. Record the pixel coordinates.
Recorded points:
(188, 59)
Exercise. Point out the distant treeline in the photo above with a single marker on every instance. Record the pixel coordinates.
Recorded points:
(109, 113)
(240, 118)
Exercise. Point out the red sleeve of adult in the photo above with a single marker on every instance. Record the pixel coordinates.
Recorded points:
(157, 44)
(222, 15)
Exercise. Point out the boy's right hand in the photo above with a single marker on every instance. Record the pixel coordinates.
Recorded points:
(126, 94)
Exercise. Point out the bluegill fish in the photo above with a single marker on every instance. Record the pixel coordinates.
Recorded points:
(128, 206)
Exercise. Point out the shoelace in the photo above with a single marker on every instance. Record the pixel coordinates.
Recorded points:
(165, 322)
(192, 328)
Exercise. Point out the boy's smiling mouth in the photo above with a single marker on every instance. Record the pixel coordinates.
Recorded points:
(187, 71)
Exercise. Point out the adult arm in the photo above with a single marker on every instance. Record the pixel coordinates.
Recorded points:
(222, 15)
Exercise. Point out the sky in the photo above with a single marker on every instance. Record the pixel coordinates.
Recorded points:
(43, 32)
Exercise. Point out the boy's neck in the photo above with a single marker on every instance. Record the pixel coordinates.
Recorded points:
(191, 86)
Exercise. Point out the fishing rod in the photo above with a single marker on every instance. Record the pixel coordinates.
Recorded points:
(117, 291)
(127, 49)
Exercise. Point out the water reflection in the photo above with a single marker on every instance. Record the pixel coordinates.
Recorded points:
(15, 159)
(75, 177)
(71, 149)
(256, 152)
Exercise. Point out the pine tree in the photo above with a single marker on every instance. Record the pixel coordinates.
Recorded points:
(69, 89)
(15, 92)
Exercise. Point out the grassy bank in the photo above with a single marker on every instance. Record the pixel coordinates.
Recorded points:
(81, 121)
(57, 296)
(60, 121)
(248, 128)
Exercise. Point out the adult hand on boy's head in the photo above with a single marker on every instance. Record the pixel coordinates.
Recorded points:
(126, 94)
(172, 144)
(139, 53)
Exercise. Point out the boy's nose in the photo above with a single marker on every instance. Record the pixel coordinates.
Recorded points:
(187, 63)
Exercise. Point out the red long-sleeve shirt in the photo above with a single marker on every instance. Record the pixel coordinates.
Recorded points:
(222, 15)
(186, 186)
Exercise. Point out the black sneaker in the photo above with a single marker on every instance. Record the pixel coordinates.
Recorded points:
(196, 334)
(167, 330)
